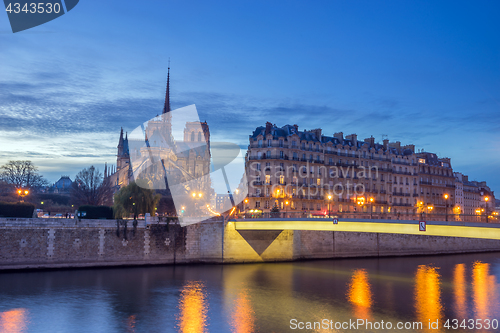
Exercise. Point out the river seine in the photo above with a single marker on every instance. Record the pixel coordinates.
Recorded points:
(308, 296)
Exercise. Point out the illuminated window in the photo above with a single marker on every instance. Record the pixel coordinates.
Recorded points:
(268, 179)
(282, 179)
(318, 181)
(421, 160)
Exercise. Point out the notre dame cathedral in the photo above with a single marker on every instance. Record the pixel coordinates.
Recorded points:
(151, 153)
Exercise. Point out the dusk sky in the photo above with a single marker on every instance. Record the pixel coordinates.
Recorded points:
(420, 72)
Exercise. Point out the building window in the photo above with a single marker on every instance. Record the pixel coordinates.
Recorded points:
(199, 136)
(281, 143)
(260, 143)
(269, 141)
(268, 154)
(281, 154)
(268, 179)
(282, 179)
(318, 181)
(257, 204)
(192, 136)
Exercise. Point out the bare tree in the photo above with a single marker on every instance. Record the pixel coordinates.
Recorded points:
(22, 174)
(91, 188)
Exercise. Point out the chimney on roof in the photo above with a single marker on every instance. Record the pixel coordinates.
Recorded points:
(317, 132)
(269, 126)
(370, 141)
(386, 144)
(353, 138)
(339, 136)
(410, 147)
(296, 127)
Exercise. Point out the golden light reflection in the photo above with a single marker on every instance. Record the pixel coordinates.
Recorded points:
(193, 309)
(459, 291)
(360, 295)
(483, 289)
(13, 321)
(243, 315)
(131, 320)
(428, 295)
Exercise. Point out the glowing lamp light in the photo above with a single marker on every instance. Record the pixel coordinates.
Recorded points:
(486, 199)
(372, 199)
(329, 197)
(246, 200)
(446, 196)
(200, 194)
(193, 194)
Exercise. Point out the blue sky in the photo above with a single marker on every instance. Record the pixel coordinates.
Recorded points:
(419, 72)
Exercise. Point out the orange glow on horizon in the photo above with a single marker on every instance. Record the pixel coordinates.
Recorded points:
(13, 321)
(428, 295)
(360, 295)
(193, 309)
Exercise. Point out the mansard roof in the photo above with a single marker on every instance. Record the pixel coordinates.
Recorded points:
(311, 136)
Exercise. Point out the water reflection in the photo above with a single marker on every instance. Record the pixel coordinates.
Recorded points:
(131, 324)
(359, 294)
(193, 309)
(13, 321)
(459, 291)
(242, 318)
(483, 290)
(428, 295)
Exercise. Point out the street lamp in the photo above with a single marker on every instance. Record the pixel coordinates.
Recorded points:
(371, 207)
(329, 199)
(446, 196)
(286, 204)
(22, 193)
(360, 201)
(429, 209)
(486, 199)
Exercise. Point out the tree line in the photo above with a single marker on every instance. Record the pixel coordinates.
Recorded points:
(90, 187)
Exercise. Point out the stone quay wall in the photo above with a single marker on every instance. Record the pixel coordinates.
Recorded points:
(68, 243)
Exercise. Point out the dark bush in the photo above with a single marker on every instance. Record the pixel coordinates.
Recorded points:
(95, 212)
(16, 209)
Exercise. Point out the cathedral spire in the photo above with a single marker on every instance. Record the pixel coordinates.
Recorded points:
(120, 143)
(166, 107)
